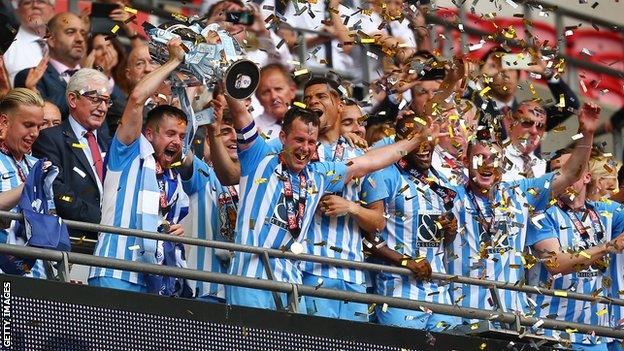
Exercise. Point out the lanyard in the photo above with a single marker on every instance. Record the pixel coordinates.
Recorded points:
(231, 212)
(446, 194)
(338, 152)
(295, 213)
(482, 219)
(20, 172)
(580, 228)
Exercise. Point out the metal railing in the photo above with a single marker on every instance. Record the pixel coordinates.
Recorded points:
(294, 290)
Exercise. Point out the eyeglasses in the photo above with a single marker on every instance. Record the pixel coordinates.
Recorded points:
(34, 2)
(96, 100)
(140, 64)
(528, 124)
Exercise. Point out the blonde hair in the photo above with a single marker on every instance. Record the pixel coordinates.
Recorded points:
(20, 96)
(601, 167)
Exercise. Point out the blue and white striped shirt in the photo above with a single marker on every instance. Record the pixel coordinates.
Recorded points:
(587, 281)
(412, 209)
(262, 219)
(616, 272)
(10, 180)
(502, 260)
(211, 205)
(125, 203)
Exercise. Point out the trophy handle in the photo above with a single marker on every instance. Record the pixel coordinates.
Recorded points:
(242, 79)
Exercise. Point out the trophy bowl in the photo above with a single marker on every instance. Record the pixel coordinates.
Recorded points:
(210, 59)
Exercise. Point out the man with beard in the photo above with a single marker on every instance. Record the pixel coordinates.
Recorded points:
(280, 191)
(573, 240)
(493, 216)
(276, 91)
(419, 225)
(526, 127)
(67, 43)
(142, 189)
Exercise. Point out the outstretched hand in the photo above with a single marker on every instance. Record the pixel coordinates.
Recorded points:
(589, 118)
(176, 50)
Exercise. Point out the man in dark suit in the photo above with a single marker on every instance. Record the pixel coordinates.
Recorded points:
(67, 43)
(77, 146)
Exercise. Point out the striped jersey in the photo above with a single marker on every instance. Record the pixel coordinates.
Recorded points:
(11, 179)
(126, 167)
(212, 212)
(412, 210)
(263, 215)
(341, 237)
(448, 166)
(616, 273)
(495, 254)
(607, 222)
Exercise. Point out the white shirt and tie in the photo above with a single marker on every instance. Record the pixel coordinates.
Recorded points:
(80, 133)
(25, 52)
(515, 168)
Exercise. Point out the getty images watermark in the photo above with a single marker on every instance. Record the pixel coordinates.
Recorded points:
(7, 321)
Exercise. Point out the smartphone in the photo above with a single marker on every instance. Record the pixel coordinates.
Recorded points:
(100, 10)
(516, 61)
(240, 17)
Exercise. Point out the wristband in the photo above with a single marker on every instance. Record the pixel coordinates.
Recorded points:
(247, 134)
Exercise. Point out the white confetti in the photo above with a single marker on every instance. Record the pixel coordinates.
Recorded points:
(577, 136)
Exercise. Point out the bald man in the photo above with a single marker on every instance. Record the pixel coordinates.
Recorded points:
(67, 42)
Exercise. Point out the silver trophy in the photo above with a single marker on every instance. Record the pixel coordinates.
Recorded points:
(205, 63)
(212, 56)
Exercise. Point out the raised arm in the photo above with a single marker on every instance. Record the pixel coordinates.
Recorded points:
(228, 172)
(570, 172)
(131, 122)
(242, 118)
(383, 157)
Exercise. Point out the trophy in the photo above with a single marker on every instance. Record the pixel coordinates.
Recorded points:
(212, 56)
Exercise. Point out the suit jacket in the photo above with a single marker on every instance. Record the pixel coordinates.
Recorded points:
(555, 115)
(51, 87)
(76, 191)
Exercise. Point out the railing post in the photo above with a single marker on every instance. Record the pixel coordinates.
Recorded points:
(269, 272)
(293, 299)
(63, 268)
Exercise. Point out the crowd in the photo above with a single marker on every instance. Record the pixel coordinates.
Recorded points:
(436, 167)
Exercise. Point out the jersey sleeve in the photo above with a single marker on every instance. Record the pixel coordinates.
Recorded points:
(541, 227)
(251, 157)
(616, 212)
(121, 155)
(334, 174)
(537, 190)
(373, 188)
(200, 177)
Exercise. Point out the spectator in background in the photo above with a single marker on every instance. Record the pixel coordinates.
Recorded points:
(77, 146)
(350, 119)
(67, 48)
(51, 115)
(276, 91)
(21, 112)
(109, 55)
(259, 42)
(504, 84)
(138, 64)
(29, 46)
(525, 129)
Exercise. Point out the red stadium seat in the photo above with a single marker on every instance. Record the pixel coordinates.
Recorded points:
(609, 92)
(597, 42)
(541, 31)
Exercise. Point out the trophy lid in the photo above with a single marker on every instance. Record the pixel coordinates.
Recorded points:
(241, 79)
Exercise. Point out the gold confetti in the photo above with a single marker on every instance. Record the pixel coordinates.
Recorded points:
(115, 29)
(300, 104)
(301, 72)
(585, 254)
(561, 293)
(260, 180)
(485, 90)
(130, 10)
(78, 145)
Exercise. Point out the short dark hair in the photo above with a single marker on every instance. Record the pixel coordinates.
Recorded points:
(157, 113)
(555, 155)
(214, 6)
(305, 115)
(332, 84)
